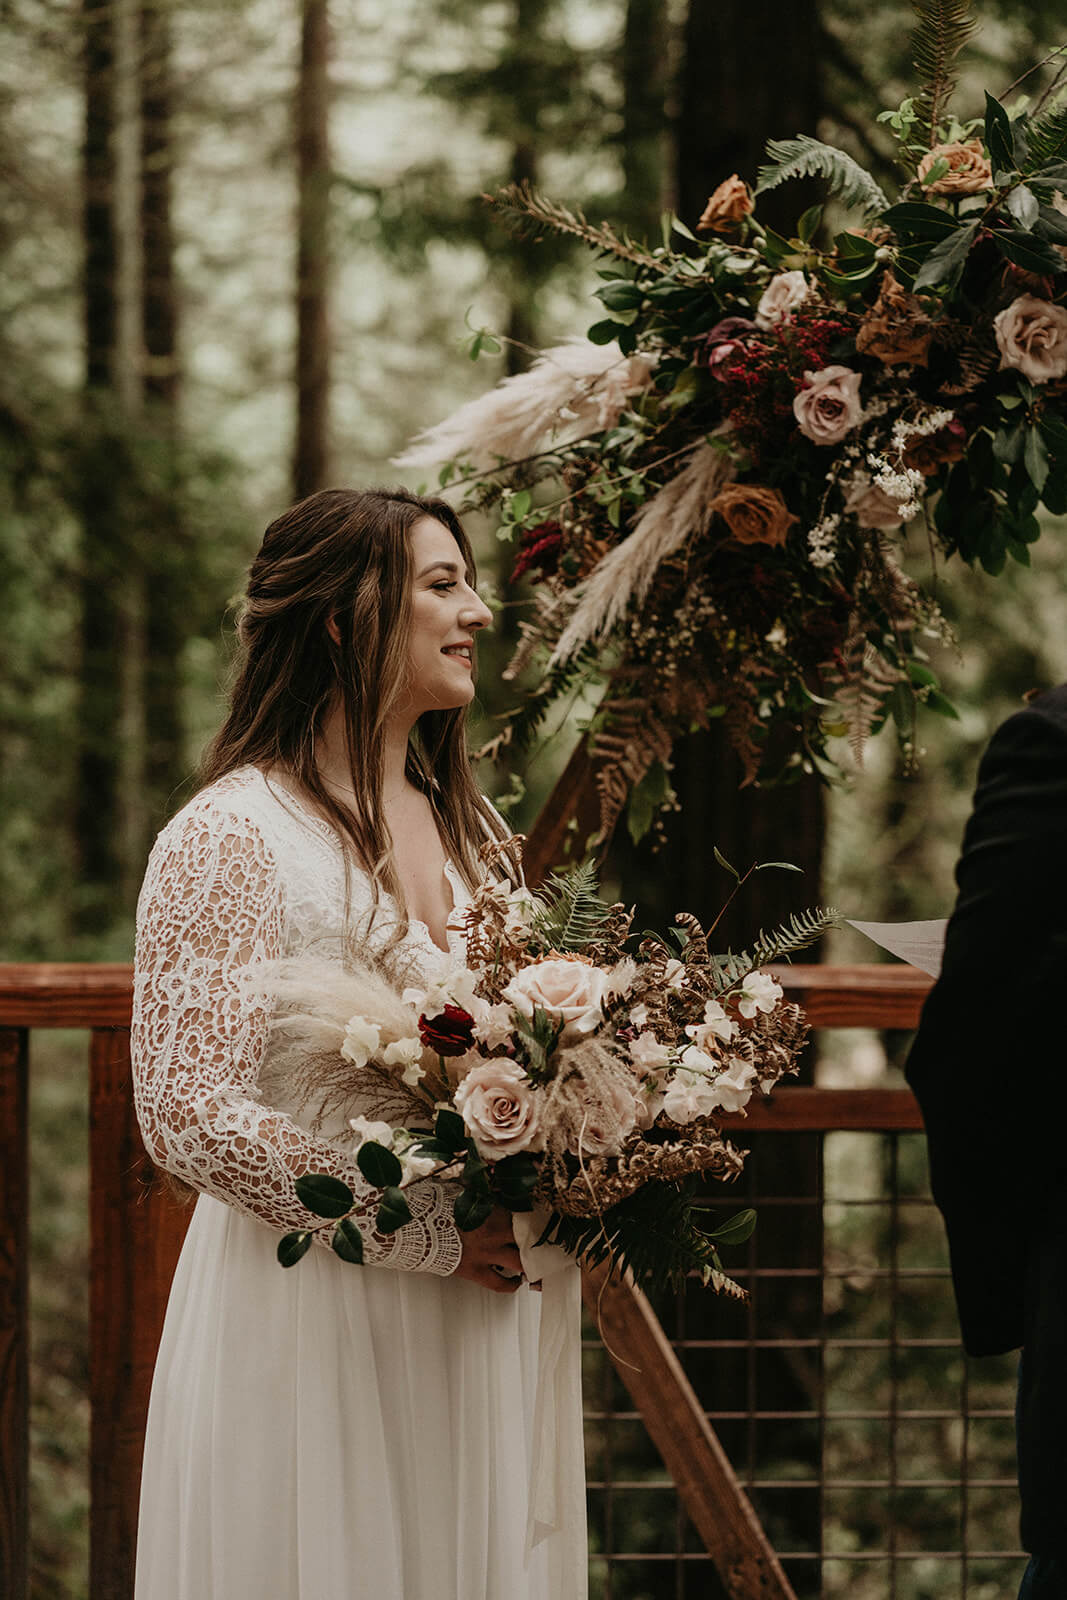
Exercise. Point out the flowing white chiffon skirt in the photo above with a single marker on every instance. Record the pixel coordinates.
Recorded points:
(333, 1432)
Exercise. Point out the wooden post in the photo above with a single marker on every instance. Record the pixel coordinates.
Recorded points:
(14, 1316)
(135, 1236)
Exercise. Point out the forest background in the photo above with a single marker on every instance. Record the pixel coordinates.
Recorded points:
(242, 250)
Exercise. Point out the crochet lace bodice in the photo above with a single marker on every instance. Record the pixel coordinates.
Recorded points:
(243, 876)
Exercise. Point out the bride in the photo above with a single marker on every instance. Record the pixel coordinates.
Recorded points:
(331, 1432)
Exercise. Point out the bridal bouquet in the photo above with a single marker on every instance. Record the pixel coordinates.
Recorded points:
(558, 1068)
(709, 493)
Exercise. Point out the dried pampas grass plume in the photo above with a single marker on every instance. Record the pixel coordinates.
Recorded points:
(574, 389)
(681, 508)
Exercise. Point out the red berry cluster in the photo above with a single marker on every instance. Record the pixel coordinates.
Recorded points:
(539, 550)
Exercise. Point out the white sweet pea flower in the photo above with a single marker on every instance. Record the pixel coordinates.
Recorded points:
(648, 1101)
(716, 1025)
(733, 1088)
(368, 1132)
(361, 1041)
(493, 1025)
(759, 992)
(648, 1053)
(690, 1093)
(405, 1053)
(638, 1015)
(674, 975)
(453, 988)
(621, 976)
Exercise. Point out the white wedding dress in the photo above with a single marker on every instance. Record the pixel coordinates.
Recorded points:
(326, 1432)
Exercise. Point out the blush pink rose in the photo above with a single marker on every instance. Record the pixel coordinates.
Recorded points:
(1031, 335)
(829, 404)
(871, 506)
(497, 1102)
(568, 989)
(780, 298)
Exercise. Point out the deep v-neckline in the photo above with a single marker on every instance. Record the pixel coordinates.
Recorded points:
(328, 832)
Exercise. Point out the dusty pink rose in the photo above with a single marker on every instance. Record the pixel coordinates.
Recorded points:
(968, 172)
(1032, 336)
(498, 1104)
(780, 298)
(829, 404)
(570, 990)
(605, 1122)
(870, 505)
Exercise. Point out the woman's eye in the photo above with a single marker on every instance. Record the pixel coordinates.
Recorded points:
(444, 586)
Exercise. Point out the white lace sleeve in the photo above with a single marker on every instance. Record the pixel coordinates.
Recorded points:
(211, 907)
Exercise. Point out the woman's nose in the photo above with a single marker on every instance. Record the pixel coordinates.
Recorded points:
(477, 614)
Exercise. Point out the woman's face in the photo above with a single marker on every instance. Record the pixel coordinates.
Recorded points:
(446, 614)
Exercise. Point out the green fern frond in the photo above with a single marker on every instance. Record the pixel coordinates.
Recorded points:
(652, 1233)
(526, 719)
(801, 930)
(1046, 136)
(943, 29)
(527, 211)
(570, 911)
(805, 157)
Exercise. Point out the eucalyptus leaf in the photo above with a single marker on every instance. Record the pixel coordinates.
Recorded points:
(1036, 459)
(721, 859)
(292, 1247)
(620, 295)
(323, 1195)
(604, 332)
(782, 866)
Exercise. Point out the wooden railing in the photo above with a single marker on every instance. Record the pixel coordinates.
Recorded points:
(136, 1232)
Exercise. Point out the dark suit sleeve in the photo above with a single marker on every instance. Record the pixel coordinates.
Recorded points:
(987, 1065)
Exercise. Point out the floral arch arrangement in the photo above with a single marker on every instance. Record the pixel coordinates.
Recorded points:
(708, 493)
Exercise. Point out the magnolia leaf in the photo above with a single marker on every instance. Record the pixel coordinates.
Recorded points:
(514, 1181)
(1036, 460)
(472, 1209)
(450, 1130)
(946, 260)
(347, 1242)
(378, 1165)
(736, 1229)
(998, 136)
(393, 1211)
(293, 1246)
(1029, 252)
(323, 1195)
(923, 221)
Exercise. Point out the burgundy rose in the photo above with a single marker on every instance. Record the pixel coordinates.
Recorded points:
(539, 549)
(450, 1033)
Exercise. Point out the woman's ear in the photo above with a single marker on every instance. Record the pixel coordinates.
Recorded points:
(333, 630)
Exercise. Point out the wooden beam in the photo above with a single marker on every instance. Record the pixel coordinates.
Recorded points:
(68, 994)
(14, 1316)
(135, 1235)
(720, 1510)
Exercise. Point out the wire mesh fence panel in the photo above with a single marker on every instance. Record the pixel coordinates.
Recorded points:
(879, 1458)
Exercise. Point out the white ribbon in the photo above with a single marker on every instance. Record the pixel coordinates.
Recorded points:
(557, 1464)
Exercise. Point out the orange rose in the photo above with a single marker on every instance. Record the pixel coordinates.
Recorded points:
(727, 206)
(895, 330)
(968, 172)
(753, 515)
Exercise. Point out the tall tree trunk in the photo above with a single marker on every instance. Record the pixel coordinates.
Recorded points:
(525, 270)
(645, 59)
(311, 457)
(97, 830)
(732, 97)
(165, 617)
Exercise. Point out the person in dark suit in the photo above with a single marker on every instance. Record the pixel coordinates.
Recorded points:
(989, 1069)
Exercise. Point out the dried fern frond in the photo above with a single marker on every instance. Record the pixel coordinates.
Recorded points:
(527, 211)
(635, 738)
(862, 690)
(805, 157)
(943, 29)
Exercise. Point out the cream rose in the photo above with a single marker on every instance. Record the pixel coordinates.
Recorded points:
(968, 170)
(569, 990)
(1031, 335)
(498, 1104)
(829, 404)
(780, 298)
(870, 505)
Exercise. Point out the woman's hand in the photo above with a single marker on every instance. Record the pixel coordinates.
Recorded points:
(490, 1255)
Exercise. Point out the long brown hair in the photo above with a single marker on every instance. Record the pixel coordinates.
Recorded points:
(345, 554)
